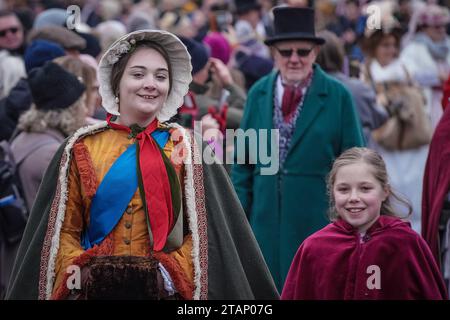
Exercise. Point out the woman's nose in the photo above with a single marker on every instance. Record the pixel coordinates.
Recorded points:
(149, 83)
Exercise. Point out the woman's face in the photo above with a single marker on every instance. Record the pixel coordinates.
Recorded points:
(143, 88)
(387, 50)
(358, 195)
(436, 33)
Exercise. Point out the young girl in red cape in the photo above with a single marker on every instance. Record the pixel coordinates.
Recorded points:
(366, 252)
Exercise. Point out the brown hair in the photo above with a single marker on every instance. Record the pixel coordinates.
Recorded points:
(7, 13)
(119, 67)
(331, 55)
(81, 70)
(369, 44)
(374, 160)
(78, 68)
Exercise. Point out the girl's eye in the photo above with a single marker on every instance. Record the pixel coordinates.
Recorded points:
(138, 75)
(365, 188)
(342, 190)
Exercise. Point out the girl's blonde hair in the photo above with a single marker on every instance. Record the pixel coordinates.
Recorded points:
(376, 162)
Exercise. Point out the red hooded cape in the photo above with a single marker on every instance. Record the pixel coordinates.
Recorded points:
(335, 263)
(436, 182)
(446, 96)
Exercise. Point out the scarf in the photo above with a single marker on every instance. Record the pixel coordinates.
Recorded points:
(292, 95)
(291, 98)
(155, 182)
(438, 50)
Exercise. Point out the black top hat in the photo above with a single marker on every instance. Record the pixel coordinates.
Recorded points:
(243, 6)
(293, 24)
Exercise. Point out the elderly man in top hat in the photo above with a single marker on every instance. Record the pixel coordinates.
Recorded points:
(316, 119)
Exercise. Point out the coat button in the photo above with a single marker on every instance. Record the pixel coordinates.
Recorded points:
(128, 225)
(126, 241)
(129, 210)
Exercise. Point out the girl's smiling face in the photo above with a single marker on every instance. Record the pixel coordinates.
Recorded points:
(358, 195)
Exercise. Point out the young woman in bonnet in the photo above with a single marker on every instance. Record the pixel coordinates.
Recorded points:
(132, 194)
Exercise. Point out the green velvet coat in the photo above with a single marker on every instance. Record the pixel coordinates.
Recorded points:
(285, 208)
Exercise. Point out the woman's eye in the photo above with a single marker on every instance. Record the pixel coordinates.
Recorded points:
(161, 77)
(138, 75)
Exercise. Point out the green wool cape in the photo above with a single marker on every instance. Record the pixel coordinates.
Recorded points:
(228, 263)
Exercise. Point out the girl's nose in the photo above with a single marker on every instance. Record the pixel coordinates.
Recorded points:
(354, 196)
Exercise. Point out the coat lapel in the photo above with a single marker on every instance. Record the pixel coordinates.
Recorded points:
(312, 106)
(265, 101)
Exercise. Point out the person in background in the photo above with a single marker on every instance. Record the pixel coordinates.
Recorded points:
(19, 98)
(316, 119)
(250, 31)
(446, 96)
(12, 36)
(72, 43)
(217, 113)
(12, 69)
(436, 195)
(54, 115)
(331, 59)
(349, 27)
(88, 75)
(427, 54)
(387, 74)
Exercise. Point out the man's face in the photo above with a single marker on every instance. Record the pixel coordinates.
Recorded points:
(294, 59)
(11, 33)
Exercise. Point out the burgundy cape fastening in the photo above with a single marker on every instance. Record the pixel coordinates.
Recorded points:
(334, 263)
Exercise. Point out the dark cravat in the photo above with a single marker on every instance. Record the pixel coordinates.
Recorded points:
(291, 98)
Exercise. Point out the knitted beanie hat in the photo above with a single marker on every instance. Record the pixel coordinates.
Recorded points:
(199, 53)
(41, 51)
(54, 88)
(220, 47)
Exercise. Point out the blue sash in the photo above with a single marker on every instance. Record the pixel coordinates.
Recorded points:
(115, 193)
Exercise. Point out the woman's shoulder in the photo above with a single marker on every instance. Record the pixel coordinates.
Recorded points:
(94, 133)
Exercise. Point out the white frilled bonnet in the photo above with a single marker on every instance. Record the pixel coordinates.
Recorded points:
(180, 61)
